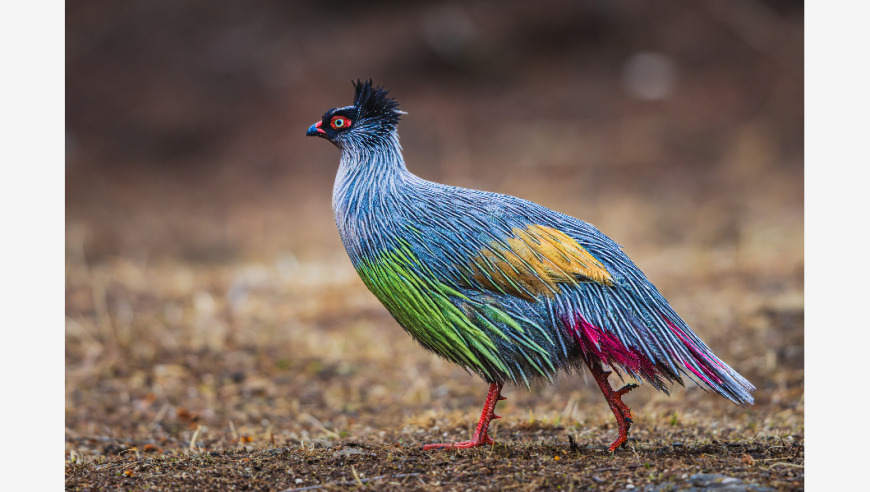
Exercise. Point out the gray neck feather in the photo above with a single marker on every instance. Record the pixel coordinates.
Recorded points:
(367, 189)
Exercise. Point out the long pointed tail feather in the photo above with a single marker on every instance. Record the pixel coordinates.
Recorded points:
(647, 340)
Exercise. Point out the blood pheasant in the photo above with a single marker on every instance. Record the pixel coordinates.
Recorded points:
(502, 286)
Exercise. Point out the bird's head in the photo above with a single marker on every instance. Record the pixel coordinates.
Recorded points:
(371, 119)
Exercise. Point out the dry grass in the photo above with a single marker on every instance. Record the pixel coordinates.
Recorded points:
(176, 366)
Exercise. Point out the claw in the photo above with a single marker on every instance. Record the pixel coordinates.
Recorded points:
(625, 389)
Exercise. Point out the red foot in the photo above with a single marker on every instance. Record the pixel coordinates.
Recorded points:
(614, 399)
(480, 436)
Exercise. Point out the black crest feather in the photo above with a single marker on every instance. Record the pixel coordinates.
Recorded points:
(373, 102)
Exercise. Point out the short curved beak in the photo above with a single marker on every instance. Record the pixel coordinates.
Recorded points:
(315, 130)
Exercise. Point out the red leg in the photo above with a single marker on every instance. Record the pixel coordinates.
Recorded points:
(480, 436)
(614, 399)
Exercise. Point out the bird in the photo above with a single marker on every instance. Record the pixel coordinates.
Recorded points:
(504, 287)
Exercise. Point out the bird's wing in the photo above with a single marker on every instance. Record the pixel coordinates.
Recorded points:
(510, 246)
(534, 260)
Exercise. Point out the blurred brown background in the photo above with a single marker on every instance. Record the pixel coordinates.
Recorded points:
(206, 284)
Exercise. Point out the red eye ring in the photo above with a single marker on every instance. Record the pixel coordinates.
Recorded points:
(340, 122)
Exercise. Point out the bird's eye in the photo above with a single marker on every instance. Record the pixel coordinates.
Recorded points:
(339, 122)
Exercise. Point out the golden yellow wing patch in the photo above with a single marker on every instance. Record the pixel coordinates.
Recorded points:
(535, 261)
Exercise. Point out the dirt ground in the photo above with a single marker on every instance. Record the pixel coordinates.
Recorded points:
(218, 338)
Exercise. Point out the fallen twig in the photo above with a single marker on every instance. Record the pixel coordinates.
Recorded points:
(356, 475)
